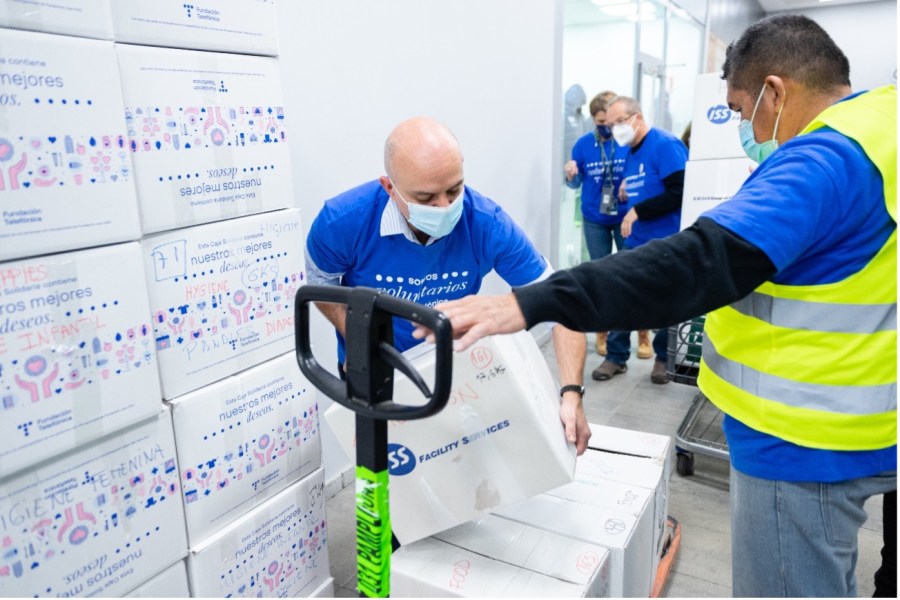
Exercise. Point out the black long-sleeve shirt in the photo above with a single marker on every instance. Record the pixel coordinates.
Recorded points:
(661, 283)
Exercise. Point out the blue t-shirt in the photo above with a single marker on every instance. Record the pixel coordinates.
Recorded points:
(346, 238)
(594, 162)
(816, 208)
(659, 155)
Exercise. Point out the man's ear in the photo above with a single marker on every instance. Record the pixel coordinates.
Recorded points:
(779, 86)
(386, 184)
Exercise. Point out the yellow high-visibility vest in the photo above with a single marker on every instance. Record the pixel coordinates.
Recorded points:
(816, 365)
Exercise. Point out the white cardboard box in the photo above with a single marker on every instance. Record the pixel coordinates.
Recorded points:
(242, 440)
(326, 590)
(430, 568)
(66, 180)
(714, 126)
(171, 583)
(96, 521)
(522, 545)
(85, 18)
(207, 134)
(709, 183)
(627, 538)
(222, 296)
(76, 349)
(245, 26)
(278, 549)
(499, 440)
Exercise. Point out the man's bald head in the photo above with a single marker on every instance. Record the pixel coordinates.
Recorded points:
(420, 144)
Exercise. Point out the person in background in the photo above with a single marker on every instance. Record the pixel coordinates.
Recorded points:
(420, 234)
(575, 122)
(596, 167)
(653, 182)
(798, 272)
(686, 137)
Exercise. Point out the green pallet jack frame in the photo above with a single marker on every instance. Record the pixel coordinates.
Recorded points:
(368, 391)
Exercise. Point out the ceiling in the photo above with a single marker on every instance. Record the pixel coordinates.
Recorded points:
(780, 5)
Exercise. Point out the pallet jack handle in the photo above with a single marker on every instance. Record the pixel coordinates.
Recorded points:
(368, 391)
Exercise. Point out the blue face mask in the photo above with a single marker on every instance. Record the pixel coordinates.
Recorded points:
(436, 221)
(758, 152)
(604, 131)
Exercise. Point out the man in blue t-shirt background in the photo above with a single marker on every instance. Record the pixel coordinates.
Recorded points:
(652, 184)
(420, 234)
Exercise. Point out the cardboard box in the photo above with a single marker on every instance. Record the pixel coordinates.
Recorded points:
(222, 296)
(431, 568)
(279, 549)
(76, 349)
(207, 133)
(85, 18)
(326, 590)
(709, 183)
(242, 440)
(244, 26)
(171, 583)
(499, 440)
(714, 126)
(534, 549)
(628, 539)
(66, 180)
(96, 521)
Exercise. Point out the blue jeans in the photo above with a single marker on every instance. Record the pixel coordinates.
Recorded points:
(599, 238)
(618, 345)
(798, 539)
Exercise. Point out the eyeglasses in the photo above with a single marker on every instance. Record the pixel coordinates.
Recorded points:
(623, 120)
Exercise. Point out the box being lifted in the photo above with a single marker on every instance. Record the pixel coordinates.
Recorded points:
(84, 18)
(242, 440)
(222, 296)
(244, 26)
(77, 357)
(97, 521)
(207, 133)
(66, 180)
(499, 440)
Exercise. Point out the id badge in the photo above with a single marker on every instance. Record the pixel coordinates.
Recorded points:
(608, 202)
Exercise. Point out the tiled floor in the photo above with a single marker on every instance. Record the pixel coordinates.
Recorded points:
(700, 502)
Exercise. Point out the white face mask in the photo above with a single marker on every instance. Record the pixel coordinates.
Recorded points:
(623, 133)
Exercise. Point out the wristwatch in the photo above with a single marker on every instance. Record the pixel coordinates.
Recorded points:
(572, 388)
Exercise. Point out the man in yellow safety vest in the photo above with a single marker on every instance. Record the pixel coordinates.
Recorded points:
(798, 274)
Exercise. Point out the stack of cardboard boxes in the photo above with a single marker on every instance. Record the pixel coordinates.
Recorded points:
(150, 250)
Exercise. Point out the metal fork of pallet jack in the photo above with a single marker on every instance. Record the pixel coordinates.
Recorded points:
(368, 391)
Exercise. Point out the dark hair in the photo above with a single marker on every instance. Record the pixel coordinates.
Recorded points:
(791, 46)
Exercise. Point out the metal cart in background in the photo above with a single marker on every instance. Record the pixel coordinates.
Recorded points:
(701, 429)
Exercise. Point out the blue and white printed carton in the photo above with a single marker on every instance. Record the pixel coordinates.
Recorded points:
(171, 583)
(84, 18)
(245, 26)
(77, 353)
(222, 296)
(714, 126)
(96, 521)
(207, 135)
(498, 441)
(66, 179)
(243, 439)
(280, 549)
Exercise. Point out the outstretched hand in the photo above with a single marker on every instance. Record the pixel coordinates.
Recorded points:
(475, 317)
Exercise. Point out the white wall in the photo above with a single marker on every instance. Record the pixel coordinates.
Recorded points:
(490, 70)
(599, 57)
(867, 33)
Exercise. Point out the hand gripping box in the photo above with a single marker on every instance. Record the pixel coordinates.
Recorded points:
(222, 296)
(636, 458)
(431, 568)
(242, 440)
(626, 537)
(66, 180)
(499, 440)
(714, 126)
(96, 521)
(534, 549)
(279, 549)
(171, 583)
(709, 183)
(77, 357)
(85, 18)
(207, 135)
(245, 26)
